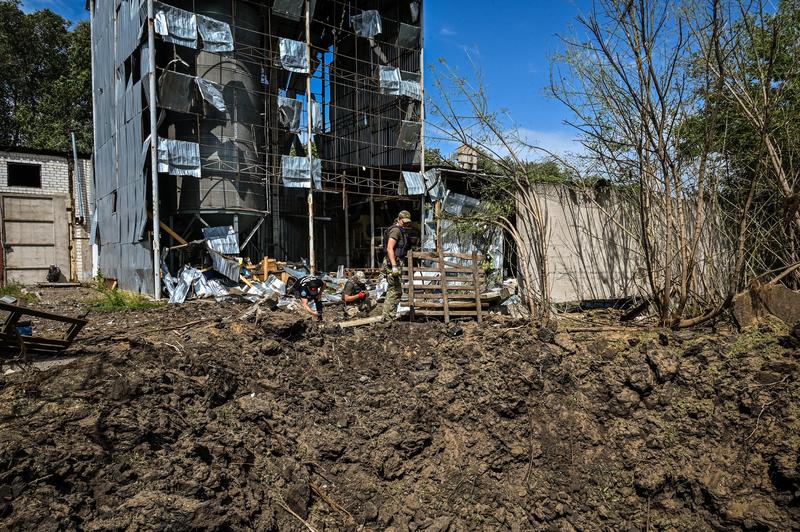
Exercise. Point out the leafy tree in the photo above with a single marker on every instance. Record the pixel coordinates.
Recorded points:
(45, 80)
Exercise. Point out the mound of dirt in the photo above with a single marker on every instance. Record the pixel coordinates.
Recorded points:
(405, 427)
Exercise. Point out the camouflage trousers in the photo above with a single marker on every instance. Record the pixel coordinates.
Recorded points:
(393, 295)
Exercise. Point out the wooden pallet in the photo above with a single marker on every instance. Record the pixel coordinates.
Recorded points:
(14, 345)
(454, 292)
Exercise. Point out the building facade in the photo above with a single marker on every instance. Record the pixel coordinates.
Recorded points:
(297, 122)
(45, 211)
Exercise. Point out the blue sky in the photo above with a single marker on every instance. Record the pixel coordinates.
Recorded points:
(510, 40)
(73, 10)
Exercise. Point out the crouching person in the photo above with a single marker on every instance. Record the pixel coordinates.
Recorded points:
(356, 296)
(310, 288)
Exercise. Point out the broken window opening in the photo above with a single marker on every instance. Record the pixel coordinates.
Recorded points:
(24, 175)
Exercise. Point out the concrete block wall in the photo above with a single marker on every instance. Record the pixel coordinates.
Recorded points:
(56, 177)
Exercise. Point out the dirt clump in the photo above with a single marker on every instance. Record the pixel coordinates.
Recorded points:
(228, 424)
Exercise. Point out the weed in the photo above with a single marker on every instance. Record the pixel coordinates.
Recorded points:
(116, 300)
(16, 290)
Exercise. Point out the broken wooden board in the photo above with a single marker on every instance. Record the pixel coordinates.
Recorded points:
(360, 322)
(15, 345)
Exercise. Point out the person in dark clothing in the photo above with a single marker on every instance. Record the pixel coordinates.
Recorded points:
(356, 296)
(395, 245)
(310, 287)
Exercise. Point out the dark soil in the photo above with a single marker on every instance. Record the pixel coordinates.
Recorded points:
(405, 427)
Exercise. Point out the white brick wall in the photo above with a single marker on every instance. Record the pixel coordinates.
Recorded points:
(55, 173)
(56, 181)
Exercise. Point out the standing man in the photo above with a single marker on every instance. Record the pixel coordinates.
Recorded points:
(310, 287)
(396, 244)
(356, 296)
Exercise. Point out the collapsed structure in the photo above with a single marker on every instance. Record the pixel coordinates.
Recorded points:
(298, 123)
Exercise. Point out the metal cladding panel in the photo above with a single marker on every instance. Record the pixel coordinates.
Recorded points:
(120, 182)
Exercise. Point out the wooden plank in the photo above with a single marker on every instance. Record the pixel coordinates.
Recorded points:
(14, 346)
(167, 229)
(29, 351)
(73, 331)
(440, 313)
(411, 286)
(34, 340)
(467, 297)
(478, 304)
(441, 256)
(448, 278)
(467, 285)
(448, 269)
(461, 305)
(444, 287)
(438, 288)
(40, 314)
(360, 322)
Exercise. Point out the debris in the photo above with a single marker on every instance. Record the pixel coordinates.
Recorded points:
(21, 343)
(360, 322)
(455, 331)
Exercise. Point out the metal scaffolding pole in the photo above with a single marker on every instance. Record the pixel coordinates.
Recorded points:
(312, 258)
(422, 117)
(151, 44)
(371, 223)
(346, 202)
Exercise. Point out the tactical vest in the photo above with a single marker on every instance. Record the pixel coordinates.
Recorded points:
(402, 246)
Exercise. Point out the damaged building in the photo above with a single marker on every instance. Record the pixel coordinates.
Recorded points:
(45, 199)
(298, 123)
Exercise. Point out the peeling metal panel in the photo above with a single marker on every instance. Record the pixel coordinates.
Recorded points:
(216, 35)
(228, 267)
(178, 157)
(294, 56)
(414, 183)
(409, 36)
(289, 112)
(411, 89)
(459, 204)
(317, 124)
(176, 91)
(212, 93)
(368, 24)
(434, 185)
(390, 80)
(409, 135)
(175, 25)
(222, 239)
(296, 174)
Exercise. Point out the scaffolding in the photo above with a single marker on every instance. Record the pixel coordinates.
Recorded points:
(279, 118)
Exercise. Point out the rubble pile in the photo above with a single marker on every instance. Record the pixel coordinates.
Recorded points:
(403, 426)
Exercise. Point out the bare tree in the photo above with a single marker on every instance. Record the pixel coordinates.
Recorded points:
(634, 77)
(461, 115)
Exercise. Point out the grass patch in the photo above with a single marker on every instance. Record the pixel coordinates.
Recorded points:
(116, 300)
(17, 290)
(759, 339)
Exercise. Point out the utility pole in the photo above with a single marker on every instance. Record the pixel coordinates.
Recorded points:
(312, 257)
(151, 44)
